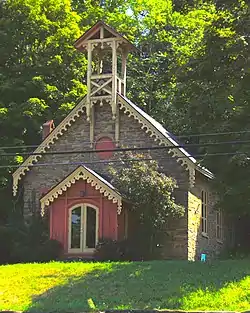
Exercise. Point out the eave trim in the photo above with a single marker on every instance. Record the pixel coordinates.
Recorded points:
(92, 178)
(186, 160)
(47, 143)
(163, 138)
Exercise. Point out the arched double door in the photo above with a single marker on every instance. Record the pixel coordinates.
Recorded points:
(83, 228)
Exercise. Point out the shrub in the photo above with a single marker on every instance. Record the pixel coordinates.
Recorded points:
(50, 250)
(151, 193)
(124, 250)
(131, 250)
(236, 253)
(22, 242)
(28, 240)
(107, 250)
(22, 250)
(6, 244)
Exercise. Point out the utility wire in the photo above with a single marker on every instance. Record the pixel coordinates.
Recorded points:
(122, 161)
(213, 134)
(174, 137)
(129, 149)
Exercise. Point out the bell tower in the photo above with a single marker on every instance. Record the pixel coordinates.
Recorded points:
(107, 53)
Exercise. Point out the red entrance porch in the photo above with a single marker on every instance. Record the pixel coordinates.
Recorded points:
(83, 212)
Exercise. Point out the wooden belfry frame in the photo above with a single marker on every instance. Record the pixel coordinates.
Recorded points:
(101, 41)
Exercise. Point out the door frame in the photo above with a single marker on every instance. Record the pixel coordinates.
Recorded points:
(83, 228)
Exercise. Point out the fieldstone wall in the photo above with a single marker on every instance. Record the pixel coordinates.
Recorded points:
(42, 178)
(175, 239)
(197, 242)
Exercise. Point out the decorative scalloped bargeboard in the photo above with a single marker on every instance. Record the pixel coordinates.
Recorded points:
(71, 118)
(47, 143)
(81, 173)
(159, 138)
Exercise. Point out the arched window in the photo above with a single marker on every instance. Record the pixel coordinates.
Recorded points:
(83, 228)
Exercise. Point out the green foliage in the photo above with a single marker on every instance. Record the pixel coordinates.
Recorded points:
(121, 250)
(149, 191)
(40, 71)
(50, 250)
(27, 242)
(150, 196)
(6, 243)
(167, 43)
(192, 74)
(107, 250)
(41, 74)
(213, 96)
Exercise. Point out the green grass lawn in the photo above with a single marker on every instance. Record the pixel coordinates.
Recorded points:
(223, 285)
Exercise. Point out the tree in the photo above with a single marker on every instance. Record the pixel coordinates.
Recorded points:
(41, 74)
(168, 40)
(39, 63)
(213, 96)
(149, 191)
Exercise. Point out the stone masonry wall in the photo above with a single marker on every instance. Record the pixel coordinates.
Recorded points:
(77, 138)
(197, 242)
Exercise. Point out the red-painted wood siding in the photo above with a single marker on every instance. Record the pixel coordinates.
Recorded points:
(82, 192)
(109, 219)
(57, 214)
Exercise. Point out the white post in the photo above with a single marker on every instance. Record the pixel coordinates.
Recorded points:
(114, 80)
(124, 70)
(89, 73)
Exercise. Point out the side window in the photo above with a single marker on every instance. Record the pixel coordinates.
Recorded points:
(204, 208)
(231, 233)
(219, 225)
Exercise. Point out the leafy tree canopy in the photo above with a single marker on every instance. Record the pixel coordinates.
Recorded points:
(213, 96)
(192, 74)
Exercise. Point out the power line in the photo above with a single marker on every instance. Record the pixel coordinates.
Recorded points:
(174, 137)
(129, 149)
(214, 134)
(122, 161)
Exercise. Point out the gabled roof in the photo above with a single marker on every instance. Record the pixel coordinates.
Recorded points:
(81, 42)
(47, 142)
(85, 173)
(148, 124)
(158, 131)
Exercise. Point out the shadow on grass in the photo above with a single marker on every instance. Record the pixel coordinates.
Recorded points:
(139, 285)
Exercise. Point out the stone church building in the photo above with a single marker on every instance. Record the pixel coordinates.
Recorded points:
(83, 206)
